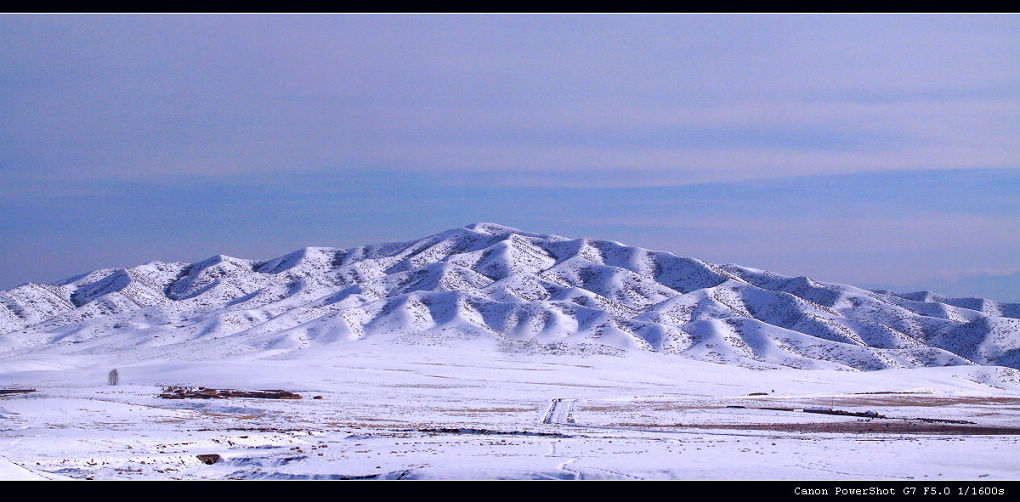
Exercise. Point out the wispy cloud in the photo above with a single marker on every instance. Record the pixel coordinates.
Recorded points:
(516, 100)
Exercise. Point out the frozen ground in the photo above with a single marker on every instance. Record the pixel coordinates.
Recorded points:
(486, 410)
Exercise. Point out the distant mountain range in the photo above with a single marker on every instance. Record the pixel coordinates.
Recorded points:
(527, 291)
(1002, 287)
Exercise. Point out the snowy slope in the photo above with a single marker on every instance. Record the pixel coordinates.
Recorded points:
(528, 291)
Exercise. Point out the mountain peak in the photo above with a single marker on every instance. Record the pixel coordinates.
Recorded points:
(488, 228)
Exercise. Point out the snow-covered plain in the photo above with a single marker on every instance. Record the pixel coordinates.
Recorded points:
(477, 410)
(488, 352)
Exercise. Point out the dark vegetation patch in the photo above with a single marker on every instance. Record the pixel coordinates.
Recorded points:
(15, 391)
(179, 392)
(447, 430)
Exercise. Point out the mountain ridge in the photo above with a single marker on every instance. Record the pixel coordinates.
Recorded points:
(489, 280)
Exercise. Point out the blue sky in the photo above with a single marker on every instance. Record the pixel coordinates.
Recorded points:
(862, 149)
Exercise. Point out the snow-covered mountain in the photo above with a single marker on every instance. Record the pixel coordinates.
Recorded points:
(527, 291)
(1000, 286)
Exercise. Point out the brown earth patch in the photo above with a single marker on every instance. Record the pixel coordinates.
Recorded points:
(855, 427)
(921, 401)
(492, 410)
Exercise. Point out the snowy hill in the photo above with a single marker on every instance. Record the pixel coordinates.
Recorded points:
(525, 291)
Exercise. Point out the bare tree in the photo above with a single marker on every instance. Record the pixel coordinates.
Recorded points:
(114, 377)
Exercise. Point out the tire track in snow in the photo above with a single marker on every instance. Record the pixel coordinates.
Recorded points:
(562, 466)
(616, 473)
(560, 412)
